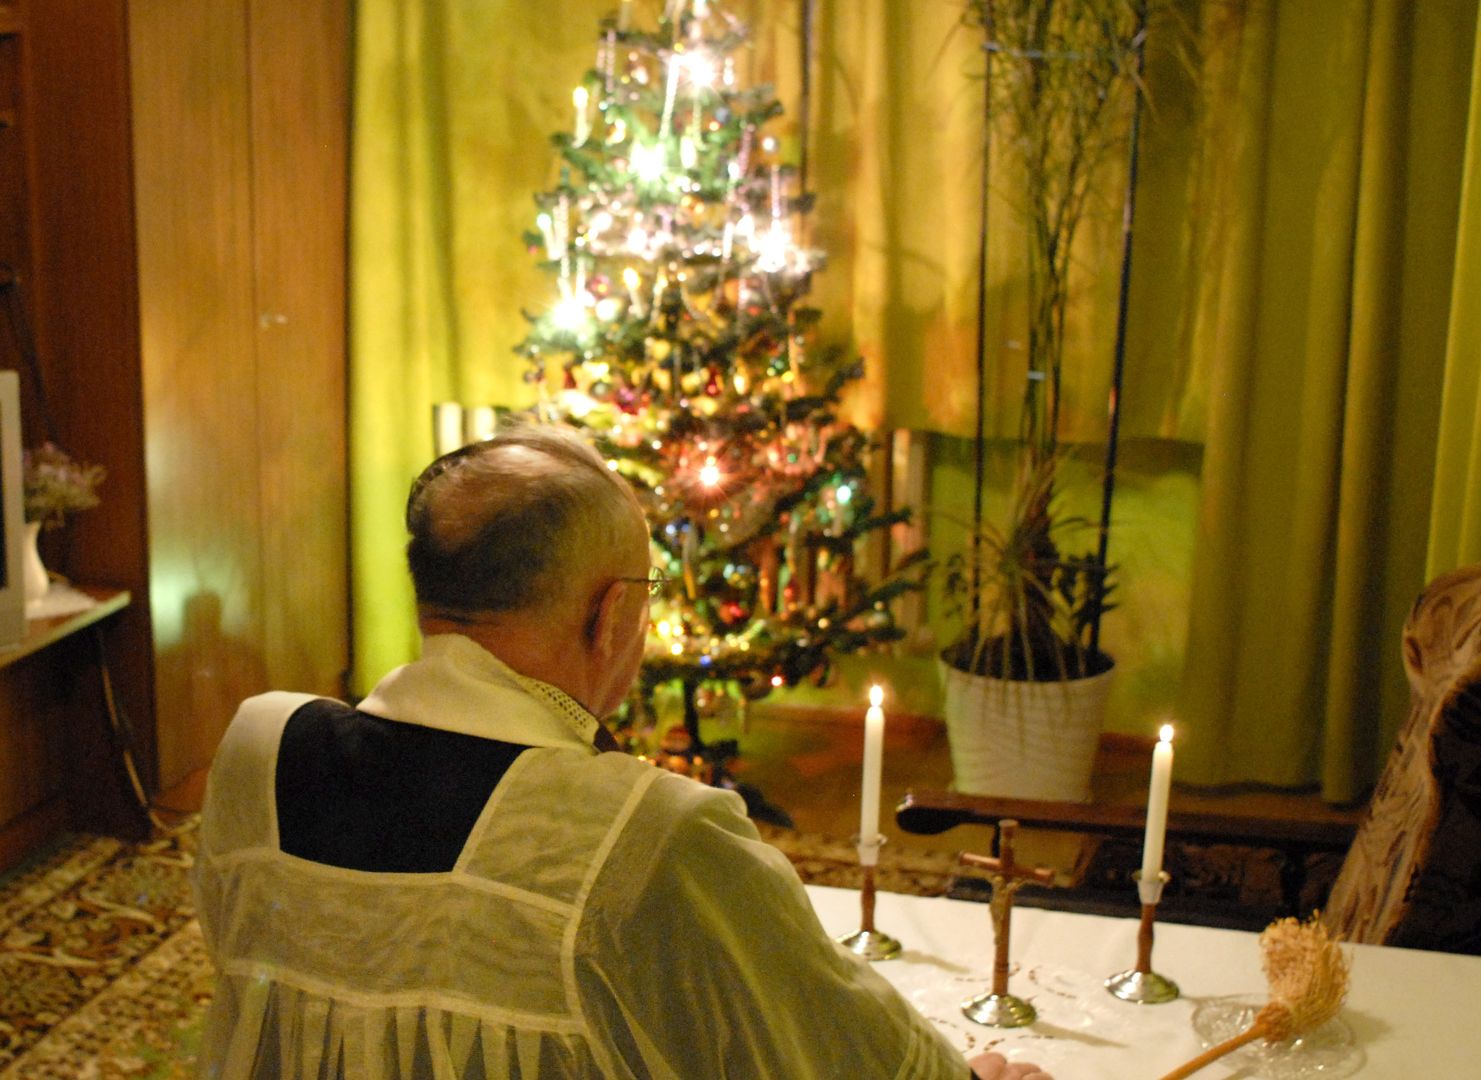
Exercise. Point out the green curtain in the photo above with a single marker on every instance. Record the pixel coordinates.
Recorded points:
(454, 105)
(1321, 321)
(1455, 515)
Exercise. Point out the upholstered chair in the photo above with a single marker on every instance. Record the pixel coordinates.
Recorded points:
(1413, 874)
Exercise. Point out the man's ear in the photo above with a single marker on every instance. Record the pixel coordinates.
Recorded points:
(601, 624)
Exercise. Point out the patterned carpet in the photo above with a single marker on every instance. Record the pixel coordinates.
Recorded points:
(102, 970)
(103, 974)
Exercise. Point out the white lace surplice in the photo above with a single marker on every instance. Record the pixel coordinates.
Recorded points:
(605, 918)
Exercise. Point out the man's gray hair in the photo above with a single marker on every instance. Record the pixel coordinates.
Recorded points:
(494, 529)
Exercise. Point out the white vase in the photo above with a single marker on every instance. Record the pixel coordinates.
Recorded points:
(33, 570)
(1026, 740)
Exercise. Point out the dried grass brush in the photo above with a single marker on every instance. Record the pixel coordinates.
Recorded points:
(1307, 973)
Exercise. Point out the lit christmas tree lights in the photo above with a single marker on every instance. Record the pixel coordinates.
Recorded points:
(678, 340)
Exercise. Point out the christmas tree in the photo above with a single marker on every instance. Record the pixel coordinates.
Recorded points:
(680, 342)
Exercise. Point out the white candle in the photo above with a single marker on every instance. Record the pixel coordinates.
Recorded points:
(667, 120)
(479, 423)
(1157, 806)
(580, 99)
(632, 280)
(447, 427)
(547, 233)
(873, 764)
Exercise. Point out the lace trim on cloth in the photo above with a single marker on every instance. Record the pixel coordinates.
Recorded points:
(570, 710)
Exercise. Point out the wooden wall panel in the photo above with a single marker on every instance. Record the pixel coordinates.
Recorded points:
(300, 108)
(241, 120)
(192, 167)
(84, 298)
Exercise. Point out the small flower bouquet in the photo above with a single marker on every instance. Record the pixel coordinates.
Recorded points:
(56, 484)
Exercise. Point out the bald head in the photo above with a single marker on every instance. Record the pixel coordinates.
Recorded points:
(517, 524)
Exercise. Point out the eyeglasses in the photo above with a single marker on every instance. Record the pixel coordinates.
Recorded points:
(655, 581)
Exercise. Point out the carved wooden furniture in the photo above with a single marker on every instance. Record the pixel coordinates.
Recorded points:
(1413, 876)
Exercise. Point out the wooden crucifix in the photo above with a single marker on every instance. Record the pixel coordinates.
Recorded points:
(998, 1007)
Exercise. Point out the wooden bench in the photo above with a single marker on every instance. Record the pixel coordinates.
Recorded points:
(1292, 842)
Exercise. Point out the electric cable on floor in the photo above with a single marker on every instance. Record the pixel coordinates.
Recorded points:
(123, 741)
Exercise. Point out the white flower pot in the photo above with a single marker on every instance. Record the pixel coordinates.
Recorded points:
(1027, 740)
(33, 570)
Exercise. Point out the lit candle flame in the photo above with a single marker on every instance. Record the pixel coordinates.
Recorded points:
(1165, 734)
(876, 696)
(648, 162)
(569, 313)
(702, 70)
(772, 250)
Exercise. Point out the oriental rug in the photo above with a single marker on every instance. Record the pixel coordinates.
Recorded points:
(102, 969)
(104, 976)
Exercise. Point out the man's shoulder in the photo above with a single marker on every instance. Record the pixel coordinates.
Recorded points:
(257, 726)
(686, 813)
(273, 708)
(655, 801)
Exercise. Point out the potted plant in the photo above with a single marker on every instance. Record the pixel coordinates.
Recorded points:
(1025, 685)
(1026, 681)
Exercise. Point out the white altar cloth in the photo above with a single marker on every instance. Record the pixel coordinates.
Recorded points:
(1411, 1013)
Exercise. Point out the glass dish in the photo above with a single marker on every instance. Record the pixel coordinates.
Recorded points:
(1326, 1051)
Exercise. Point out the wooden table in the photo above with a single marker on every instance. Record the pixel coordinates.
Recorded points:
(43, 632)
(1410, 1013)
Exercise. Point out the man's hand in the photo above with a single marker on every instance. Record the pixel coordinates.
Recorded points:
(993, 1066)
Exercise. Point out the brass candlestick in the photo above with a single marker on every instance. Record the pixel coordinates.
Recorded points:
(1141, 985)
(868, 942)
(998, 1008)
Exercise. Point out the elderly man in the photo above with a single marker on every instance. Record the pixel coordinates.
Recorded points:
(454, 881)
